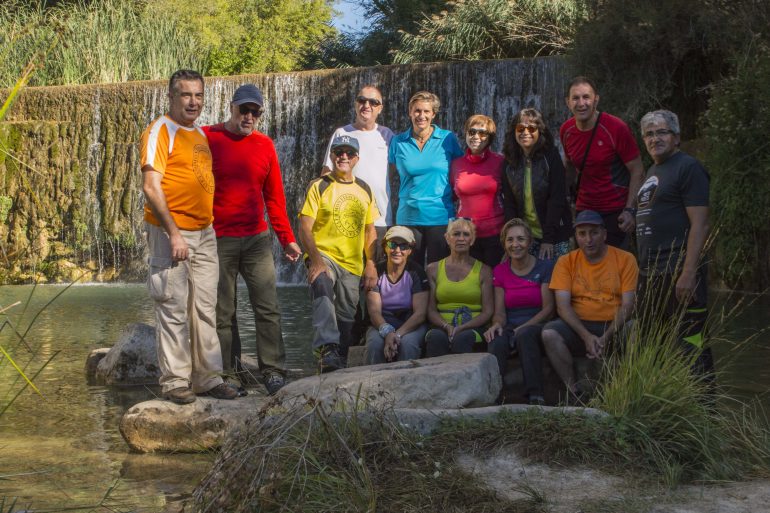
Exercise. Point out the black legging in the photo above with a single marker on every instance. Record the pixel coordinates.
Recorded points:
(430, 242)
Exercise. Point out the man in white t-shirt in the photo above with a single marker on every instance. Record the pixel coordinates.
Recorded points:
(372, 166)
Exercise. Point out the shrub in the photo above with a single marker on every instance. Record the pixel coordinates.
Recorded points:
(738, 157)
(493, 29)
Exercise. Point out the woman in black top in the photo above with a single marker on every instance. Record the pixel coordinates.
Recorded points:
(534, 187)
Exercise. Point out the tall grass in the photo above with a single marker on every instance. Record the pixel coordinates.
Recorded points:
(690, 427)
(93, 42)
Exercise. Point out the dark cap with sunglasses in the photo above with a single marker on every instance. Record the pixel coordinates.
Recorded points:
(248, 93)
(345, 141)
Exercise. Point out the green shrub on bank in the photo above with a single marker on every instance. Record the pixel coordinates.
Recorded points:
(738, 158)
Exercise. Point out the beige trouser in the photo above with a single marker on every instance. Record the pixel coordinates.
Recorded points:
(185, 295)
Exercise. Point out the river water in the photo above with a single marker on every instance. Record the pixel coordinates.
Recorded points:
(65, 450)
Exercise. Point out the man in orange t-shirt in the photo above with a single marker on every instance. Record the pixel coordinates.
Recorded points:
(178, 187)
(595, 289)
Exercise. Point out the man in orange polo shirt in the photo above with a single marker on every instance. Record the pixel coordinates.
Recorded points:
(178, 187)
(595, 287)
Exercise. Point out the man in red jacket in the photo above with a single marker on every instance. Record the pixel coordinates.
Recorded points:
(248, 180)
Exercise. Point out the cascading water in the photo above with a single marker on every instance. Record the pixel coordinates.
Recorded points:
(301, 111)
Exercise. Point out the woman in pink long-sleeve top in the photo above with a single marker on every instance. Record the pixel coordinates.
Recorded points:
(476, 180)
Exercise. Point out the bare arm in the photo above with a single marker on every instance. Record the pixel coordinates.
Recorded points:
(627, 221)
(317, 265)
(434, 317)
(696, 240)
(499, 317)
(623, 315)
(370, 270)
(153, 193)
(374, 306)
(568, 315)
(419, 309)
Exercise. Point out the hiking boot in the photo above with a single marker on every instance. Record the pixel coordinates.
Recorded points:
(180, 395)
(329, 358)
(222, 391)
(274, 382)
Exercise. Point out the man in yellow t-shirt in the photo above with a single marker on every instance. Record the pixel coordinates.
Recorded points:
(337, 230)
(595, 287)
(178, 188)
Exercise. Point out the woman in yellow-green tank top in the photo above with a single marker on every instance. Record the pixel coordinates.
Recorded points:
(461, 296)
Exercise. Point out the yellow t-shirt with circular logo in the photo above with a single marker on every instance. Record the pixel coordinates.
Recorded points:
(341, 211)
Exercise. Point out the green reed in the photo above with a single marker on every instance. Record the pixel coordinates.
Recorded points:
(93, 42)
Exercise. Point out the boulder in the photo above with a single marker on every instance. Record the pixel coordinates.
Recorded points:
(163, 426)
(451, 381)
(92, 362)
(133, 360)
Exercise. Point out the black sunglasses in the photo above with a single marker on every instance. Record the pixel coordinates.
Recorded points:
(374, 102)
(343, 151)
(403, 246)
(245, 109)
(481, 132)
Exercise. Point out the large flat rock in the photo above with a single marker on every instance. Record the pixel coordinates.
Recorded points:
(451, 381)
(163, 426)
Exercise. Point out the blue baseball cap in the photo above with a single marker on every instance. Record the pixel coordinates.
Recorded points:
(248, 93)
(345, 141)
(588, 217)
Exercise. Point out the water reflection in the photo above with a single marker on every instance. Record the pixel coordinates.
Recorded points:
(65, 449)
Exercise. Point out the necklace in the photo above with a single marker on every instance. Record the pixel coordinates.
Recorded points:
(422, 140)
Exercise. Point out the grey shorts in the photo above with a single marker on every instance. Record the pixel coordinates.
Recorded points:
(571, 339)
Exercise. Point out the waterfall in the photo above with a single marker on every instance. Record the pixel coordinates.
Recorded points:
(301, 111)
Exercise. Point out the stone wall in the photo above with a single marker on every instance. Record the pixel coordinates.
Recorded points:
(70, 199)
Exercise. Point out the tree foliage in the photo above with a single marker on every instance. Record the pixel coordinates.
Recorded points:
(253, 36)
(738, 158)
(663, 52)
(493, 29)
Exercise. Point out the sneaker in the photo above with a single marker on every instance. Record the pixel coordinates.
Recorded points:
(329, 358)
(222, 391)
(274, 382)
(180, 395)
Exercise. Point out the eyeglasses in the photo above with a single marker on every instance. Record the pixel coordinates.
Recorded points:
(403, 246)
(453, 219)
(245, 109)
(663, 132)
(481, 132)
(529, 128)
(342, 151)
(374, 102)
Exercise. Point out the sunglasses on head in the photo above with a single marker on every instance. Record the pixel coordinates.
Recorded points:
(338, 152)
(403, 246)
(374, 102)
(481, 132)
(245, 109)
(453, 219)
(529, 128)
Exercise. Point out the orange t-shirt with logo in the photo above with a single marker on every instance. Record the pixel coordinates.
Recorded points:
(596, 288)
(182, 156)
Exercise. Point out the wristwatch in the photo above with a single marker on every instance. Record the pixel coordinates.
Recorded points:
(631, 210)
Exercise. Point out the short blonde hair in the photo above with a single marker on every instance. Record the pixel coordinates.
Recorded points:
(425, 96)
(455, 221)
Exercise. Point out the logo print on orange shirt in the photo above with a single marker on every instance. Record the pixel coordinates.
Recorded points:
(202, 167)
(348, 215)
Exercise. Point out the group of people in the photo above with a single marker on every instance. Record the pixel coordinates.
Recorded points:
(439, 249)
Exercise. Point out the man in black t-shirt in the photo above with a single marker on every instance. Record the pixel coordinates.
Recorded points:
(671, 231)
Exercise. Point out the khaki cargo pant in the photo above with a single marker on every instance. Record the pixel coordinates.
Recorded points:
(185, 295)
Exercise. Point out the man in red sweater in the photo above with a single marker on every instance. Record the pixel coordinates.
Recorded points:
(247, 180)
